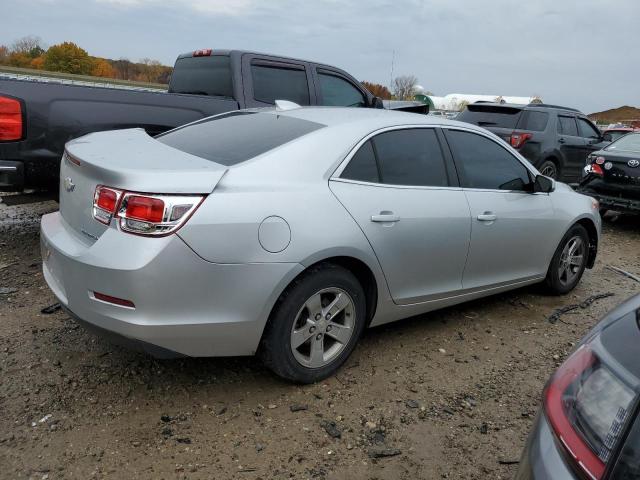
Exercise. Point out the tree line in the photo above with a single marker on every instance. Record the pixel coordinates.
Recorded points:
(67, 57)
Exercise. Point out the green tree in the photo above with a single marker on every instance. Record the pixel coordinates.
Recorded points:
(68, 57)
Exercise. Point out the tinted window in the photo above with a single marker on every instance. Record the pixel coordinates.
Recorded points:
(486, 164)
(567, 126)
(276, 83)
(237, 136)
(587, 130)
(490, 115)
(202, 76)
(411, 157)
(534, 121)
(363, 165)
(338, 92)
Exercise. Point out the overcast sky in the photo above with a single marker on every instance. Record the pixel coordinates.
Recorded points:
(581, 53)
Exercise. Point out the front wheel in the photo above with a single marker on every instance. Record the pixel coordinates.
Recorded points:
(569, 261)
(315, 325)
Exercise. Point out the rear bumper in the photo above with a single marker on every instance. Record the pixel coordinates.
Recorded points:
(541, 459)
(183, 304)
(613, 203)
(11, 176)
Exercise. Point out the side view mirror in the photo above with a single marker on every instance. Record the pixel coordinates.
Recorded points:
(376, 102)
(607, 137)
(543, 184)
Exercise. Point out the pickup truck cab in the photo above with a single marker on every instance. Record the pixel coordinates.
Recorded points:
(38, 116)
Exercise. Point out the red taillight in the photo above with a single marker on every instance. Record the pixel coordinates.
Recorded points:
(205, 52)
(555, 408)
(115, 300)
(595, 169)
(10, 119)
(144, 209)
(519, 139)
(105, 202)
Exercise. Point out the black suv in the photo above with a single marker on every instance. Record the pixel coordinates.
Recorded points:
(556, 140)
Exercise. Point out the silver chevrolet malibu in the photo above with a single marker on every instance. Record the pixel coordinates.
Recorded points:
(286, 232)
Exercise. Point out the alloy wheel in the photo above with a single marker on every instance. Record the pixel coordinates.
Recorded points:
(323, 327)
(550, 170)
(571, 260)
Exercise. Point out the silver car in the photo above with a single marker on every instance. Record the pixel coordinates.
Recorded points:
(286, 232)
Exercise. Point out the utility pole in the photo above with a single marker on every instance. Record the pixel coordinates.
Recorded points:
(393, 58)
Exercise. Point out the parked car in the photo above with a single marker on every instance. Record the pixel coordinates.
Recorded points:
(612, 134)
(612, 175)
(38, 117)
(286, 232)
(589, 425)
(556, 140)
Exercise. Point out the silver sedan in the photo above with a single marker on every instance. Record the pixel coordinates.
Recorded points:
(287, 232)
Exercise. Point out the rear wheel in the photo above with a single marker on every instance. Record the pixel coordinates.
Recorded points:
(315, 325)
(549, 169)
(569, 261)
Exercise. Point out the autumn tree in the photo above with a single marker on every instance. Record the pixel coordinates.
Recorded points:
(102, 68)
(4, 54)
(68, 57)
(403, 87)
(377, 90)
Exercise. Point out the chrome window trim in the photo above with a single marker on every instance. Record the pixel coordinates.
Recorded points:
(392, 185)
(335, 176)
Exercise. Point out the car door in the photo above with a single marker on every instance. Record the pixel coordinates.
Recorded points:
(593, 140)
(402, 191)
(571, 146)
(509, 223)
(268, 79)
(336, 90)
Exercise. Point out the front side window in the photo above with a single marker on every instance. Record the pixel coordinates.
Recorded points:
(486, 164)
(587, 130)
(271, 83)
(338, 92)
(567, 126)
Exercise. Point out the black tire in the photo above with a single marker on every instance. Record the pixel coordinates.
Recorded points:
(276, 350)
(554, 281)
(552, 170)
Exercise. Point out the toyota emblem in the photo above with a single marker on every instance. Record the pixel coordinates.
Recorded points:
(633, 163)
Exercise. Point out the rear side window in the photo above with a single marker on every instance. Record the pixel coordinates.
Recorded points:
(490, 116)
(232, 138)
(486, 164)
(338, 92)
(271, 83)
(362, 166)
(202, 76)
(533, 121)
(567, 126)
(411, 157)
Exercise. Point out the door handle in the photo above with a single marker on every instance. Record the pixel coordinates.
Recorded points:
(487, 217)
(385, 217)
(561, 140)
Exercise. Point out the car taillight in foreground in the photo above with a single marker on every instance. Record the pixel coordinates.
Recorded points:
(594, 165)
(143, 214)
(10, 119)
(519, 139)
(587, 406)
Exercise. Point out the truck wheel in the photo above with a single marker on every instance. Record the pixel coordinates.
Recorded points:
(549, 169)
(315, 325)
(569, 261)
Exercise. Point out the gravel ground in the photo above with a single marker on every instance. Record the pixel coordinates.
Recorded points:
(451, 394)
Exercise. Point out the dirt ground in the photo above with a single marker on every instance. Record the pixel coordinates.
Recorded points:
(451, 394)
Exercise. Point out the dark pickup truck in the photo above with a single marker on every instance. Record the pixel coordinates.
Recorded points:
(38, 117)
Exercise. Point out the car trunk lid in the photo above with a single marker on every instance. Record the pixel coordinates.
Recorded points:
(127, 160)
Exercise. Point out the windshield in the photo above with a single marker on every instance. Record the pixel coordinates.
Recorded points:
(202, 76)
(234, 137)
(616, 134)
(627, 143)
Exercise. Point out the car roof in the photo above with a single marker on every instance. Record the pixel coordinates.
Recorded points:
(369, 118)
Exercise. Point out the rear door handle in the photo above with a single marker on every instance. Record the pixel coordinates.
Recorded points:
(487, 217)
(561, 140)
(385, 217)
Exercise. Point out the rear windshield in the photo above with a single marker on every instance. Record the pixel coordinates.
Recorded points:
(628, 143)
(202, 76)
(234, 137)
(490, 116)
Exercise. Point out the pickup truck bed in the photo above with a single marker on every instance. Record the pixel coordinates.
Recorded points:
(203, 83)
